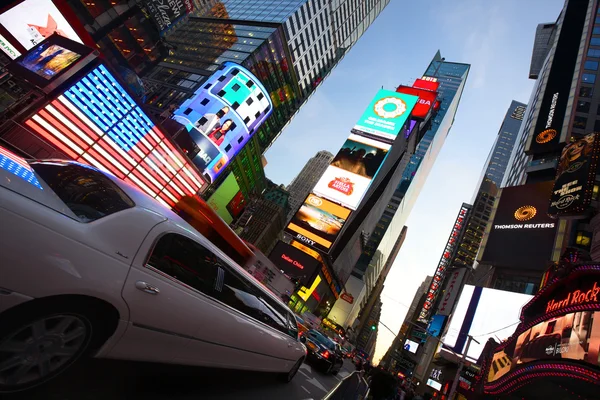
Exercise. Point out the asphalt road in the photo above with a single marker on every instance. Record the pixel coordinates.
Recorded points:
(115, 380)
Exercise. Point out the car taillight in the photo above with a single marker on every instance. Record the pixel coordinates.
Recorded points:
(325, 354)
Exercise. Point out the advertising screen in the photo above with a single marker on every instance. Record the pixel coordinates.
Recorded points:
(48, 60)
(411, 346)
(574, 336)
(349, 175)
(575, 176)
(436, 325)
(434, 384)
(483, 313)
(318, 222)
(386, 114)
(8, 48)
(225, 196)
(167, 13)
(294, 262)
(427, 82)
(424, 104)
(95, 121)
(522, 233)
(221, 117)
(32, 21)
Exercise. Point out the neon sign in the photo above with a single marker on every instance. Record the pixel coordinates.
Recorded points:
(575, 297)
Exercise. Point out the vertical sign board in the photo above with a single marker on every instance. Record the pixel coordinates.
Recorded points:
(454, 280)
(445, 260)
(575, 177)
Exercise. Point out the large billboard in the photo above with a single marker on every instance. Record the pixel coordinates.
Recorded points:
(386, 115)
(575, 176)
(351, 171)
(574, 336)
(522, 233)
(223, 115)
(227, 200)
(95, 121)
(425, 103)
(32, 21)
(294, 262)
(318, 222)
(167, 13)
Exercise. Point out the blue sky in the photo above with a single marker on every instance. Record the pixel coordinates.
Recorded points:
(496, 38)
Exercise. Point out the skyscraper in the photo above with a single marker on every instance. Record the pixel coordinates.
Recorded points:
(306, 179)
(544, 36)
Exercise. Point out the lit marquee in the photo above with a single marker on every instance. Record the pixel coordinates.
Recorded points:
(18, 166)
(97, 122)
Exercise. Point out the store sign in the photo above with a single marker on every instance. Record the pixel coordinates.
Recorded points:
(167, 13)
(386, 115)
(426, 100)
(351, 171)
(347, 297)
(427, 82)
(574, 298)
(8, 48)
(318, 222)
(221, 117)
(451, 294)
(436, 374)
(575, 177)
(445, 260)
(32, 21)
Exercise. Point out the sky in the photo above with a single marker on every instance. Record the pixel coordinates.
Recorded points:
(496, 38)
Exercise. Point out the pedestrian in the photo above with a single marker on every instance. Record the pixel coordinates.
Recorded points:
(383, 385)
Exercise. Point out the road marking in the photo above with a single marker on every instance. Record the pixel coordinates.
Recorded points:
(306, 367)
(317, 384)
(305, 389)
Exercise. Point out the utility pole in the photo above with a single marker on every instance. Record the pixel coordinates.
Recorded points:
(461, 364)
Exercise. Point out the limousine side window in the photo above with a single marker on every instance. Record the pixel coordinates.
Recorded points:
(186, 261)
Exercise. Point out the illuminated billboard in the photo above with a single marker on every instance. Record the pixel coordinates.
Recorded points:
(522, 232)
(425, 103)
(428, 83)
(386, 115)
(95, 121)
(575, 177)
(483, 313)
(351, 171)
(411, 346)
(227, 200)
(165, 14)
(221, 117)
(32, 21)
(318, 222)
(294, 262)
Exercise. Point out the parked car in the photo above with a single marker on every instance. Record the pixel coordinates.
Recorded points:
(91, 266)
(323, 352)
(302, 328)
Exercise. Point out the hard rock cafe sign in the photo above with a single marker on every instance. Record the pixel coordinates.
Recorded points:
(575, 297)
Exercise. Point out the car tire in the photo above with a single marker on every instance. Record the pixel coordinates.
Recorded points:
(39, 344)
(335, 372)
(289, 376)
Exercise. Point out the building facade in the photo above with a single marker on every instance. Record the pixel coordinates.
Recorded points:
(303, 183)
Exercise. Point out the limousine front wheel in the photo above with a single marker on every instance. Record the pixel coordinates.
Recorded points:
(290, 375)
(36, 348)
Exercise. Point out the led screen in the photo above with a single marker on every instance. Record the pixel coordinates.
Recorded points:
(32, 21)
(8, 48)
(349, 175)
(48, 60)
(427, 82)
(425, 102)
(483, 313)
(411, 346)
(574, 336)
(386, 114)
(318, 222)
(95, 121)
(522, 233)
(436, 325)
(18, 167)
(434, 384)
(221, 117)
(294, 262)
(225, 200)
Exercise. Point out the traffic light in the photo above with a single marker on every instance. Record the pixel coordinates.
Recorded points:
(373, 327)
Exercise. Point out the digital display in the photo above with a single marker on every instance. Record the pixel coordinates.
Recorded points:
(424, 104)
(225, 200)
(95, 121)
(18, 167)
(386, 114)
(221, 117)
(522, 232)
(411, 346)
(32, 21)
(434, 384)
(575, 176)
(436, 325)
(48, 60)
(574, 336)
(294, 262)
(318, 222)
(351, 171)
(480, 311)
(428, 83)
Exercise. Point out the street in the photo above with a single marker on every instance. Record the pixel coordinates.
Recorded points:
(109, 379)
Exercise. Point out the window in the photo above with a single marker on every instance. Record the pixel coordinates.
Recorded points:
(586, 91)
(596, 31)
(591, 65)
(583, 239)
(87, 192)
(597, 126)
(579, 122)
(593, 53)
(588, 78)
(595, 41)
(187, 261)
(583, 106)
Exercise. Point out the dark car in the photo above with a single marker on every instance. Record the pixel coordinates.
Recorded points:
(323, 352)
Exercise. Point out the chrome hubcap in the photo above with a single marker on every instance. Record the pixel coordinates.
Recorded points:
(40, 348)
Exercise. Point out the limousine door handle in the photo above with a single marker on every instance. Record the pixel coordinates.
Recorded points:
(146, 287)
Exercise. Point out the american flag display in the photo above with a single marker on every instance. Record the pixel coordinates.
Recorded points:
(17, 166)
(95, 121)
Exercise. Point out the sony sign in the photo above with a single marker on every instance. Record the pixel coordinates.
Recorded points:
(304, 239)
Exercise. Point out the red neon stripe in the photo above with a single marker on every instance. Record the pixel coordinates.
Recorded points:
(106, 163)
(175, 194)
(75, 120)
(160, 165)
(64, 130)
(150, 139)
(145, 180)
(149, 170)
(52, 139)
(186, 178)
(15, 158)
(107, 148)
(166, 199)
(181, 176)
